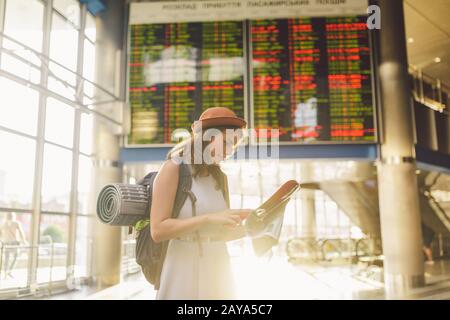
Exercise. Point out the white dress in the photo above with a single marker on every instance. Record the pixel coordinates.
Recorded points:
(185, 274)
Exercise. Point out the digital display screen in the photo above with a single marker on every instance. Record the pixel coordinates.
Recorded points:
(177, 70)
(311, 79)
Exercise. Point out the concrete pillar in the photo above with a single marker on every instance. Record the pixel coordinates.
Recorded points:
(110, 75)
(107, 239)
(398, 192)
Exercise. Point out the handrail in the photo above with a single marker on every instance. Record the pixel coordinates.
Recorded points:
(441, 212)
(362, 241)
(413, 71)
(437, 104)
(309, 242)
(342, 246)
(358, 242)
(333, 243)
(50, 245)
(426, 190)
(337, 245)
(48, 284)
(41, 245)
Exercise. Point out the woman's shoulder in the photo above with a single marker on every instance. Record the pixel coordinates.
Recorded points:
(169, 167)
(167, 176)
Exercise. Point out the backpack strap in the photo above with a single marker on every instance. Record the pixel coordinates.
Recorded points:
(184, 184)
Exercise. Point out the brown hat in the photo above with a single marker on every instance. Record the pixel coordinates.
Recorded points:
(218, 117)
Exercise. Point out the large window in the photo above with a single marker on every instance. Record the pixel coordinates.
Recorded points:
(70, 9)
(86, 133)
(59, 123)
(20, 68)
(19, 107)
(63, 42)
(16, 170)
(52, 255)
(56, 179)
(24, 22)
(83, 246)
(89, 60)
(84, 184)
(37, 134)
(90, 29)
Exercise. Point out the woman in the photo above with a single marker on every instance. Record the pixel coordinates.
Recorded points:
(197, 264)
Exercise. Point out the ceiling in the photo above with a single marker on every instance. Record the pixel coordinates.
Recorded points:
(428, 24)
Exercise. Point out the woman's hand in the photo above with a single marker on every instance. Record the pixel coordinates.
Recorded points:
(229, 217)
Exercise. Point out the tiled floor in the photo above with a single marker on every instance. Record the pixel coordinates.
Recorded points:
(279, 279)
(260, 279)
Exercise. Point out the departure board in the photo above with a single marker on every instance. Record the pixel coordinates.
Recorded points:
(311, 79)
(177, 70)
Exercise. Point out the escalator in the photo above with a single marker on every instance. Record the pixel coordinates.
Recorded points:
(359, 200)
(435, 213)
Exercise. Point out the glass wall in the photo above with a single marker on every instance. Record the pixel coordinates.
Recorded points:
(47, 137)
(16, 170)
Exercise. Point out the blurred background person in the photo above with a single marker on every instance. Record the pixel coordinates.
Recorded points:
(428, 236)
(11, 236)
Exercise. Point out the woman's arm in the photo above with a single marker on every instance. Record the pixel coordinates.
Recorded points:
(230, 234)
(163, 226)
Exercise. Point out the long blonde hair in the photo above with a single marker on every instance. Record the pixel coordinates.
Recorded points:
(178, 153)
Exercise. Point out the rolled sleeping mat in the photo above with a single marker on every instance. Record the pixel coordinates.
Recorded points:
(121, 204)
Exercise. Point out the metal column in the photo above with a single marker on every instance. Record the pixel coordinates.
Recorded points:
(107, 169)
(398, 192)
(38, 169)
(71, 256)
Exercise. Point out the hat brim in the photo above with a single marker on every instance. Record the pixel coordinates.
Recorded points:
(231, 122)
